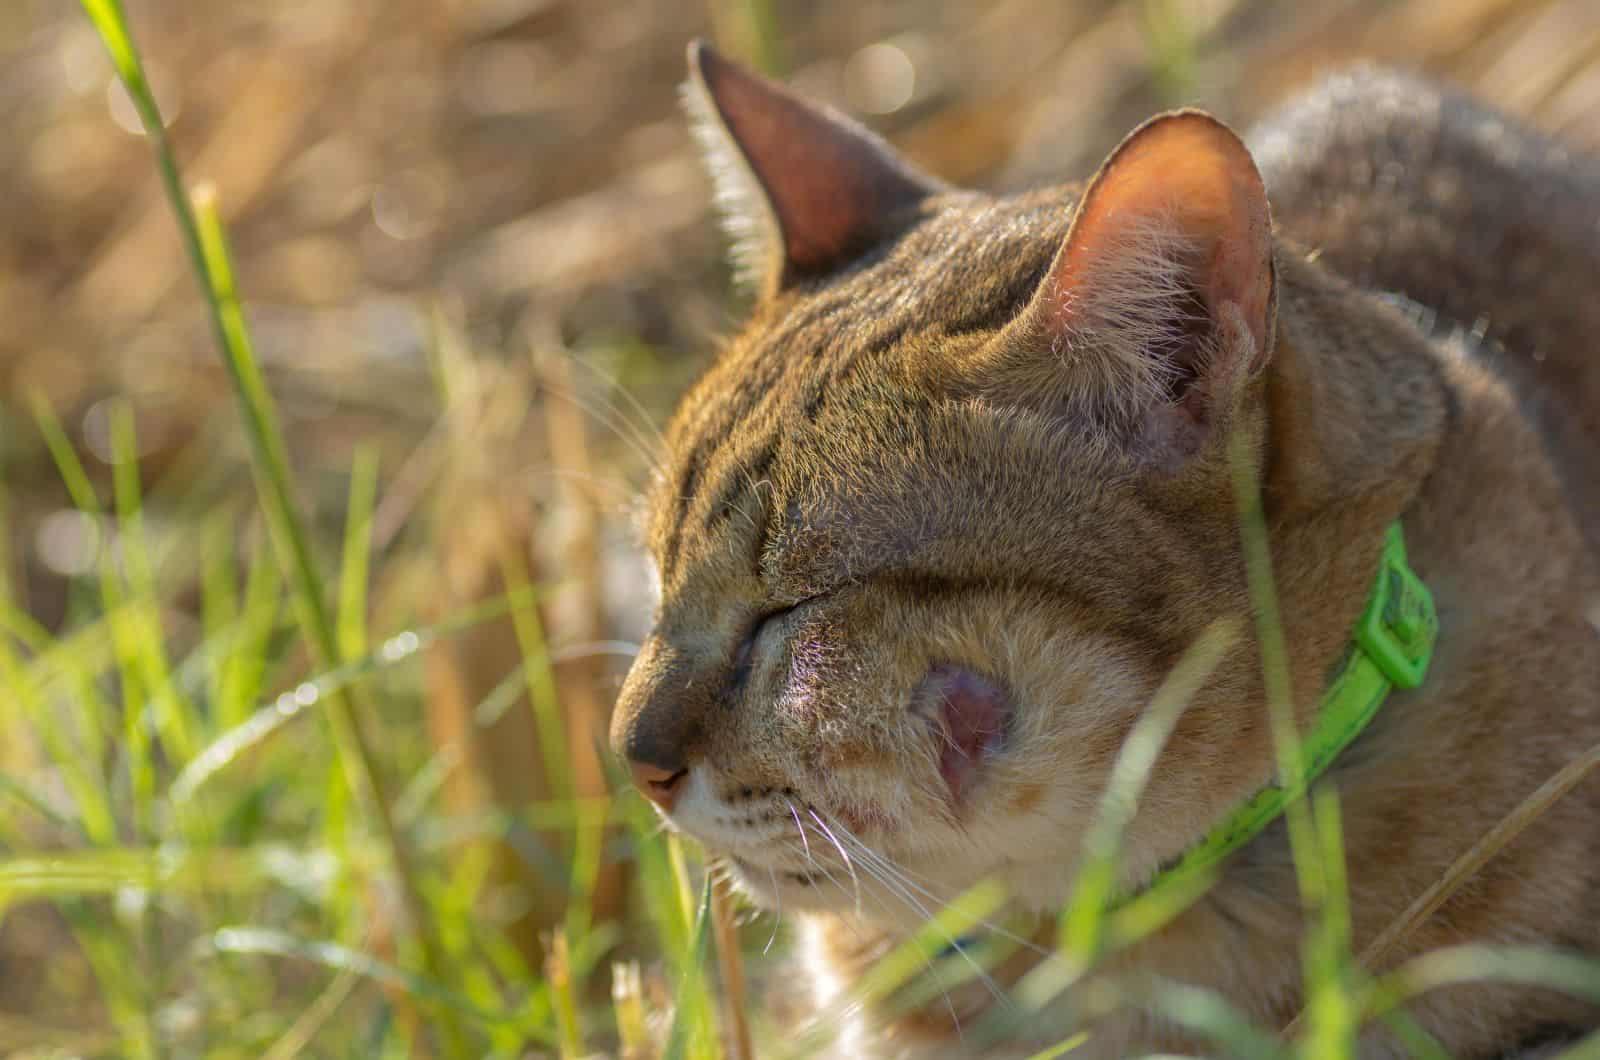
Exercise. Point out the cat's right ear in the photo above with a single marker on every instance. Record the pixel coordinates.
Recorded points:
(1158, 310)
(803, 190)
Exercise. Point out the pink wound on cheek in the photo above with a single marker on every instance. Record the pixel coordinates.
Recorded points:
(969, 714)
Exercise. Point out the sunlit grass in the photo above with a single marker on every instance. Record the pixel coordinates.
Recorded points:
(164, 850)
(241, 882)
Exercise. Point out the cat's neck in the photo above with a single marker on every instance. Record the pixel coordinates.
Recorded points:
(1488, 530)
(1490, 533)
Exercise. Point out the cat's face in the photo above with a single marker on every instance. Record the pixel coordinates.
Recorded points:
(925, 549)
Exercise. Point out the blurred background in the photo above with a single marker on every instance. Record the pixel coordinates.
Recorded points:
(474, 245)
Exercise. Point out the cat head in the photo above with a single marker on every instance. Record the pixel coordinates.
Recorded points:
(943, 516)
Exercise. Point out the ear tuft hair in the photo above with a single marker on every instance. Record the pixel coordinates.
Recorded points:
(1131, 335)
(742, 206)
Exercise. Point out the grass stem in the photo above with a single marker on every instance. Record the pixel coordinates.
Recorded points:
(204, 241)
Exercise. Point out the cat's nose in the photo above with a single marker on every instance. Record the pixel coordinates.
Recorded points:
(657, 725)
(656, 744)
(659, 785)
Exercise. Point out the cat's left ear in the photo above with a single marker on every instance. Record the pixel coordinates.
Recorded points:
(803, 190)
(1160, 304)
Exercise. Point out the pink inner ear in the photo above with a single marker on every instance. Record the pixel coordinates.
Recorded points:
(831, 184)
(1188, 175)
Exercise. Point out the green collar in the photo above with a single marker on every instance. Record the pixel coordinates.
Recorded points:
(1391, 648)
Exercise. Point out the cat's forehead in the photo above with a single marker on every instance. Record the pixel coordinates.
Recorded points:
(969, 261)
(966, 262)
(962, 269)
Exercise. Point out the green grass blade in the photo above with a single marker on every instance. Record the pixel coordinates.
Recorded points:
(202, 232)
(262, 720)
(1332, 1022)
(1083, 921)
(174, 868)
(245, 667)
(21, 702)
(267, 942)
(1471, 963)
(1418, 1043)
(125, 636)
(68, 466)
(558, 970)
(174, 719)
(658, 885)
(1206, 1013)
(1275, 669)
(20, 791)
(691, 1036)
(589, 824)
(219, 600)
(541, 678)
(122, 987)
(1061, 1048)
(911, 972)
(355, 565)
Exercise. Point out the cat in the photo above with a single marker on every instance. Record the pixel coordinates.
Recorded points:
(959, 496)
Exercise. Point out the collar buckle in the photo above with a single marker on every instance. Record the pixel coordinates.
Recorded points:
(1399, 626)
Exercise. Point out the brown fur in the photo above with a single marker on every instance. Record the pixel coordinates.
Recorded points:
(874, 478)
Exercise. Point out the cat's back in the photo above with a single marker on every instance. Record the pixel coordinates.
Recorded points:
(1406, 186)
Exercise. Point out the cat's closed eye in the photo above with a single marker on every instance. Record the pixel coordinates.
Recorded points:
(758, 626)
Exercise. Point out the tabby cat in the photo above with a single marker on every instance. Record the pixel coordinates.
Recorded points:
(959, 496)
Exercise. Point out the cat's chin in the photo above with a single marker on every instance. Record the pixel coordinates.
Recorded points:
(775, 888)
(858, 893)
(852, 892)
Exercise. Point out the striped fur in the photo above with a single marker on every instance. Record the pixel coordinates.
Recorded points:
(881, 475)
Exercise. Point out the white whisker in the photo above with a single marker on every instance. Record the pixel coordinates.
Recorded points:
(848, 864)
(800, 825)
(777, 917)
(625, 431)
(644, 418)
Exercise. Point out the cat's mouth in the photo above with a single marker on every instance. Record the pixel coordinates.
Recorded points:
(823, 883)
(969, 715)
(795, 877)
